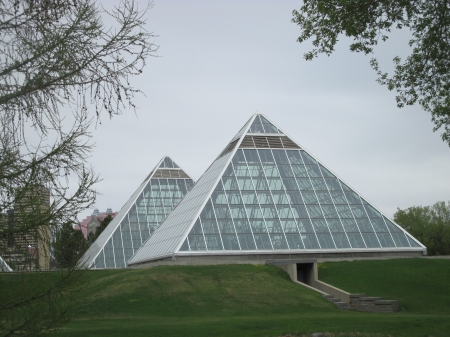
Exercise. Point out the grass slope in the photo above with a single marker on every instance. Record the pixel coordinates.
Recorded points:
(250, 300)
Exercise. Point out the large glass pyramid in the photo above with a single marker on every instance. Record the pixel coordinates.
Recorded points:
(266, 194)
(155, 198)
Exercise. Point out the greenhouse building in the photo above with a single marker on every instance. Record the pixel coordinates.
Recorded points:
(264, 198)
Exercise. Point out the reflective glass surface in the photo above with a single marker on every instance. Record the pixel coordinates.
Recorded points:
(150, 208)
(280, 199)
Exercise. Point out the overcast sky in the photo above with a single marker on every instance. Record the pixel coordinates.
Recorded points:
(221, 61)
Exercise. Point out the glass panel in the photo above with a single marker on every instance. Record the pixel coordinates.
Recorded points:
(251, 156)
(385, 240)
(280, 157)
(229, 183)
(222, 212)
(197, 229)
(340, 240)
(391, 226)
(269, 128)
(325, 240)
(245, 184)
(238, 158)
(246, 242)
(229, 171)
(230, 242)
(271, 171)
(299, 171)
(241, 170)
(313, 171)
(196, 242)
(307, 158)
(274, 226)
(226, 226)
(338, 197)
(210, 227)
(310, 241)
(265, 198)
(255, 170)
(358, 211)
(315, 211)
(257, 128)
(268, 211)
(412, 242)
(352, 198)
(249, 197)
(372, 212)
(266, 156)
(299, 212)
(263, 242)
(364, 225)
(284, 211)
(294, 157)
(213, 242)
(219, 197)
(379, 225)
(258, 226)
(242, 226)
(349, 225)
(294, 241)
(289, 226)
(400, 239)
(335, 225)
(260, 184)
(332, 184)
(305, 226)
(304, 184)
(344, 211)
(275, 184)
(320, 226)
(208, 212)
(266, 123)
(285, 171)
(185, 247)
(356, 240)
(324, 197)
(326, 173)
(290, 184)
(371, 240)
(329, 211)
(294, 197)
(278, 241)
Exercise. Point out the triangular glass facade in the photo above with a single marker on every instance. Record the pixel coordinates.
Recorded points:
(264, 193)
(138, 219)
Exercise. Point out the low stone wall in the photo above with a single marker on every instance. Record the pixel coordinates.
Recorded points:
(359, 302)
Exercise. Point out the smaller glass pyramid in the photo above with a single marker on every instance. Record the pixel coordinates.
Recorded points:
(154, 199)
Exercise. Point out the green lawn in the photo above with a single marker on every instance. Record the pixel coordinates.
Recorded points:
(250, 300)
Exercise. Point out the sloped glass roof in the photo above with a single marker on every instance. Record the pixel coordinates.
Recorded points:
(272, 197)
(139, 218)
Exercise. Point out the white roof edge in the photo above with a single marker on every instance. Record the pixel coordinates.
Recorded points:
(4, 265)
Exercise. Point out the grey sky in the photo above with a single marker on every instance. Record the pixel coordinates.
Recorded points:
(220, 61)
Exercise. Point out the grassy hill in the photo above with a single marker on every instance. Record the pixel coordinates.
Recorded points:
(251, 300)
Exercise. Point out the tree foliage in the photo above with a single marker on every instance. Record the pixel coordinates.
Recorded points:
(429, 224)
(103, 224)
(68, 246)
(61, 67)
(423, 77)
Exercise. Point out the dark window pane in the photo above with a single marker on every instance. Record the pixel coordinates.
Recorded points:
(246, 242)
(285, 212)
(197, 229)
(379, 225)
(230, 183)
(358, 211)
(332, 184)
(344, 211)
(315, 211)
(257, 128)
(210, 227)
(329, 211)
(391, 226)
(324, 197)
(326, 173)
(325, 240)
(338, 197)
(274, 226)
(229, 171)
(353, 198)
(241, 170)
(356, 240)
(290, 184)
(340, 240)
(278, 241)
(372, 212)
(207, 212)
(310, 241)
(222, 211)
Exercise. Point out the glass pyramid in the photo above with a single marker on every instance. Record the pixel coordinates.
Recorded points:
(155, 198)
(264, 193)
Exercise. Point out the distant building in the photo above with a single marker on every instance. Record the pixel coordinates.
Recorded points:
(28, 243)
(91, 223)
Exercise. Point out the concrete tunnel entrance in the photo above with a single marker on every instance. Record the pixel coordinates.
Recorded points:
(305, 273)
